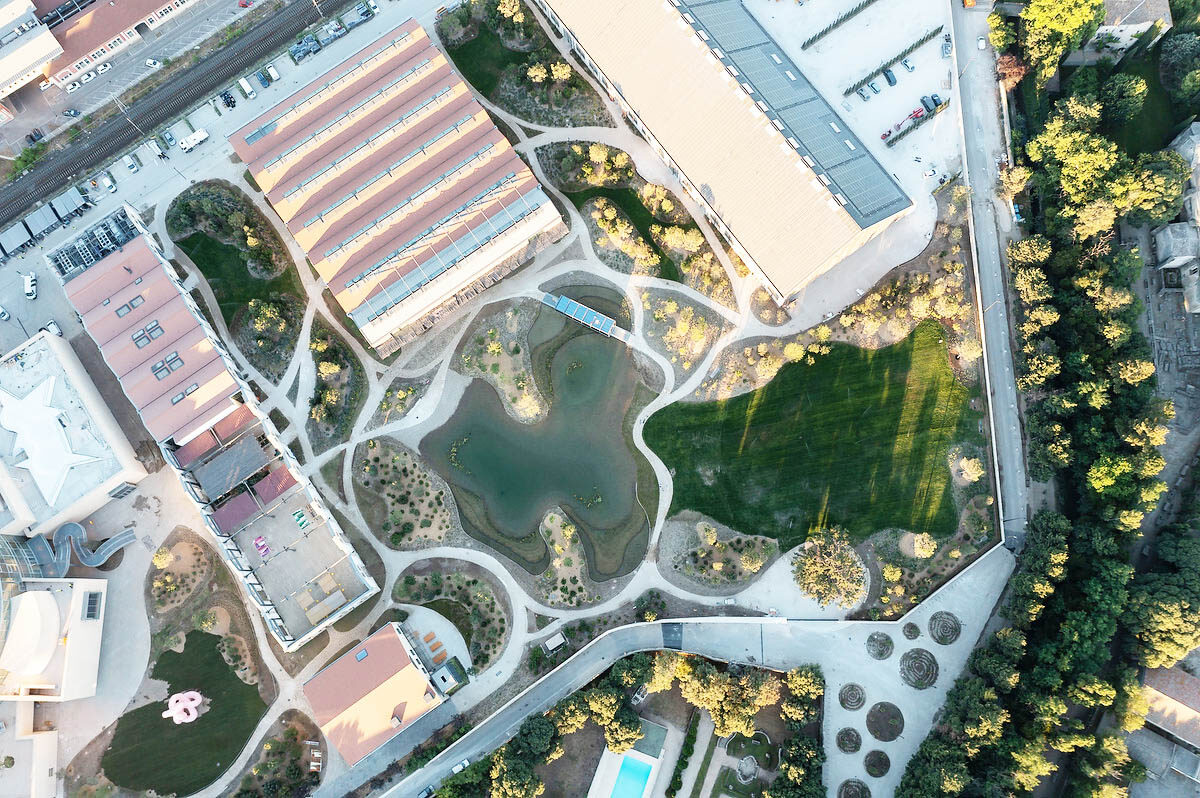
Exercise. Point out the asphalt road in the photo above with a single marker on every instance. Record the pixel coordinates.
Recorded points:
(116, 134)
(984, 145)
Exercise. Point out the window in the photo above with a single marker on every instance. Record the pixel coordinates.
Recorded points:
(179, 397)
(105, 302)
(163, 368)
(835, 128)
(136, 301)
(124, 310)
(850, 144)
(91, 605)
(360, 656)
(144, 336)
(174, 362)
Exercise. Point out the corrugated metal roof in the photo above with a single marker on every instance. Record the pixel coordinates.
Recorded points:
(41, 220)
(14, 237)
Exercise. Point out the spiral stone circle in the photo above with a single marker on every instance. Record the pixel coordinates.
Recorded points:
(879, 645)
(912, 631)
(944, 627)
(853, 788)
(849, 741)
(877, 764)
(918, 668)
(885, 721)
(852, 696)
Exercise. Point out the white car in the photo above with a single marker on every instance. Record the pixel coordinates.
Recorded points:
(461, 766)
(29, 283)
(981, 43)
(45, 84)
(87, 77)
(153, 63)
(73, 86)
(4, 314)
(100, 70)
(52, 327)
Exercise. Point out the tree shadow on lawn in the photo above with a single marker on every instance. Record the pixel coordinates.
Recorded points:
(860, 439)
(224, 267)
(150, 752)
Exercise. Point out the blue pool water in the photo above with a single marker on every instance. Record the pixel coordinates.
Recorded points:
(631, 778)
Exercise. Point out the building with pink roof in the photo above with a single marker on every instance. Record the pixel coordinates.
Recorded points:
(270, 524)
(397, 185)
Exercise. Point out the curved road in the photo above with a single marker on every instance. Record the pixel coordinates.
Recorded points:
(114, 135)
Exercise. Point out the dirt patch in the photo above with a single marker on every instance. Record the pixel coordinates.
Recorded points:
(885, 722)
(565, 582)
(236, 653)
(187, 566)
(497, 350)
(398, 399)
(714, 555)
(285, 754)
(405, 504)
(570, 775)
(679, 330)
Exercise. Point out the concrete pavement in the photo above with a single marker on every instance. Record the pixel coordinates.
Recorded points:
(983, 128)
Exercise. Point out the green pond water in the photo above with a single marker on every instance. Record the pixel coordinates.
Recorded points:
(506, 475)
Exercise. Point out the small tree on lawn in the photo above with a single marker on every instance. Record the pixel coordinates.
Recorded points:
(560, 71)
(537, 73)
(828, 569)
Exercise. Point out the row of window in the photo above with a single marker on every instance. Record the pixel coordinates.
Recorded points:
(163, 368)
(185, 393)
(128, 307)
(144, 336)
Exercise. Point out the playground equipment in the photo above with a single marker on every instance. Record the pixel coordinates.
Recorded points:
(181, 707)
(54, 554)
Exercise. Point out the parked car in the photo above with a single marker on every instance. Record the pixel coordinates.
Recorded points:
(45, 84)
(873, 87)
(908, 65)
(87, 77)
(110, 185)
(862, 93)
(52, 327)
(461, 766)
(884, 135)
(981, 43)
(928, 104)
(890, 77)
(153, 63)
(100, 70)
(73, 86)
(130, 164)
(425, 793)
(245, 3)
(71, 112)
(937, 101)
(169, 138)
(4, 314)
(29, 282)
(262, 79)
(947, 45)
(272, 72)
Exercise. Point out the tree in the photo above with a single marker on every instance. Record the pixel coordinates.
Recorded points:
(571, 714)
(924, 546)
(511, 10)
(560, 71)
(1001, 32)
(1155, 193)
(971, 468)
(1122, 96)
(662, 671)
(537, 73)
(623, 731)
(752, 560)
(806, 688)
(1011, 70)
(514, 777)
(327, 369)
(1054, 28)
(1012, 181)
(163, 557)
(1032, 251)
(1179, 57)
(1164, 606)
(827, 569)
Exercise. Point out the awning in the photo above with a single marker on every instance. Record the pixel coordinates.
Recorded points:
(226, 470)
(41, 220)
(14, 237)
(68, 202)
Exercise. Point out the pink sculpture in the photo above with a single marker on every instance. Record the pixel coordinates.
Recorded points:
(181, 707)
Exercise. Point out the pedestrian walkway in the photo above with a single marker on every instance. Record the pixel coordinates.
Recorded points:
(586, 316)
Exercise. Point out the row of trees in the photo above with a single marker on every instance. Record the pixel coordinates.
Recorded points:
(1033, 692)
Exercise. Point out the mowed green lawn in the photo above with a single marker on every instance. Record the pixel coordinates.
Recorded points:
(859, 439)
(150, 752)
(224, 267)
(483, 60)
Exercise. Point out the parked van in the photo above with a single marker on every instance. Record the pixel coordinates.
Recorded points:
(247, 89)
(272, 72)
(130, 164)
(154, 148)
(106, 180)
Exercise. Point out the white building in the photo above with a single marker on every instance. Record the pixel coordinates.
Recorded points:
(1124, 21)
(1177, 245)
(26, 45)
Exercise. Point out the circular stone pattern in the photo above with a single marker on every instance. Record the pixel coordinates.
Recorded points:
(885, 722)
(849, 741)
(879, 645)
(877, 764)
(852, 696)
(853, 788)
(944, 627)
(912, 631)
(918, 668)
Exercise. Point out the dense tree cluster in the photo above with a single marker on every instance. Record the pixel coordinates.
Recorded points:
(828, 570)
(1054, 28)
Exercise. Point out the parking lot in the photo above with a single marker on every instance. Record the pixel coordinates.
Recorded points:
(857, 48)
(158, 180)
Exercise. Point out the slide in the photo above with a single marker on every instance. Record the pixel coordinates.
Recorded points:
(55, 556)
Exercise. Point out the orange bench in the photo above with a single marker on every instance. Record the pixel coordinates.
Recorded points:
(440, 658)
(435, 646)
(429, 637)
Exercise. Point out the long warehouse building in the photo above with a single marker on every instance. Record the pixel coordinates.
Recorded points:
(776, 170)
(397, 185)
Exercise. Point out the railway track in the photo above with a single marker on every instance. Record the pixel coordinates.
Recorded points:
(160, 105)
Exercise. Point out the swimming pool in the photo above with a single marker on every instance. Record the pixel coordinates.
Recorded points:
(631, 778)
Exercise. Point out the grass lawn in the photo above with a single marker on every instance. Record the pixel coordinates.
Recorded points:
(628, 201)
(1154, 125)
(860, 439)
(727, 784)
(757, 746)
(150, 752)
(457, 614)
(483, 60)
(224, 267)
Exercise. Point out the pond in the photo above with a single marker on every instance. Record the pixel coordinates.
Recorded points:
(506, 475)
